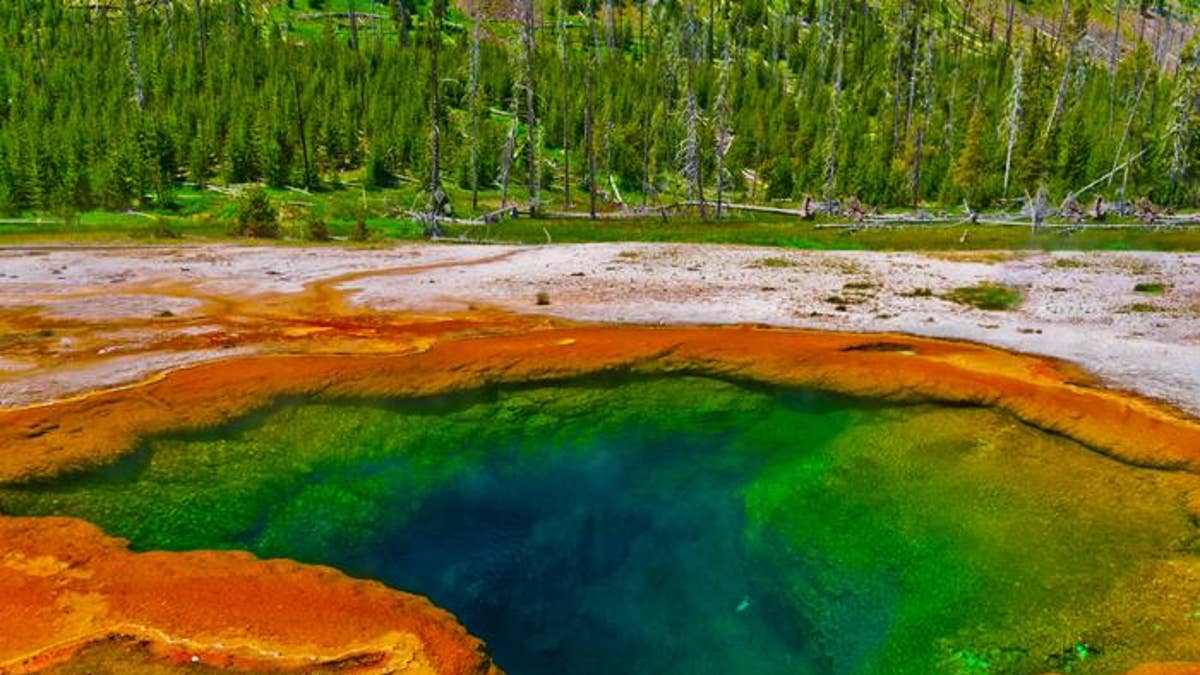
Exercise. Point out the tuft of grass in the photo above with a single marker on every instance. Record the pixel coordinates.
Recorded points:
(922, 292)
(986, 295)
(772, 263)
(859, 285)
(1140, 308)
(543, 298)
(1069, 263)
(1150, 288)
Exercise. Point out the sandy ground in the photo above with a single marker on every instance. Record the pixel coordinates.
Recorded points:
(74, 319)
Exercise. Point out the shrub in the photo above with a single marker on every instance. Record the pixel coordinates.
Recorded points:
(986, 295)
(255, 215)
(315, 229)
(360, 232)
(1150, 288)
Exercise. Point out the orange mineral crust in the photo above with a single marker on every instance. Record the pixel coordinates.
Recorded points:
(49, 439)
(66, 586)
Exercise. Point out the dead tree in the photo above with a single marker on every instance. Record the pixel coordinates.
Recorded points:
(564, 55)
(400, 15)
(831, 153)
(692, 166)
(139, 92)
(589, 113)
(1070, 210)
(300, 131)
(474, 106)
(200, 31)
(1113, 50)
(437, 196)
(724, 137)
(352, 17)
(531, 121)
(510, 149)
(1075, 36)
(1146, 211)
(611, 29)
(1013, 123)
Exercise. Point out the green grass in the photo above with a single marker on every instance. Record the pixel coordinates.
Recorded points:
(196, 214)
(986, 295)
(1150, 288)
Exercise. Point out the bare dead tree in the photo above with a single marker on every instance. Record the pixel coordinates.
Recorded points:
(926, 114)
(831, 152)
(400, 15)
(169, 22)
(139, 93)
(1114, 49)
(724, 136)
(200, 30)
(692, 167)
(473, 93)
(564, 56)
(301, 132)
(589, 113)
(1183, 107)
(531, 120)
(510, 146)
(352, 17)
(36, 44)
(1013, 121)
(611, 28)
(1074, 36)
(437, 196)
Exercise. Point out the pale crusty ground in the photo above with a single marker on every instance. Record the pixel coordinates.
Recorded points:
(1078, 306)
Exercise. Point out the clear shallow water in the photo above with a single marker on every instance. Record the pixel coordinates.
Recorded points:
(679, 525)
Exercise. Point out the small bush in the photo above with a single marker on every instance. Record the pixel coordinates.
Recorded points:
(986, 295)
(161, 230)
(1150, 288)
(315, 229)
(543, 298)
(256, 217)
(360, 232)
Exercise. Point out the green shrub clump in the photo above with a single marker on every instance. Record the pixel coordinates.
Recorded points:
(256, 217)
(986, 295)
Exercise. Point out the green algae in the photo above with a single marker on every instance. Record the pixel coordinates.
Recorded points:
(729, 527)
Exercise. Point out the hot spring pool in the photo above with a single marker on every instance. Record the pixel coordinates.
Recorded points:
(679, 525)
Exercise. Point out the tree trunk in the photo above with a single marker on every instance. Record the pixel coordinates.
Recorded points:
(565, 88)
(437, 198)
(530, 107)
(400, 12)
(131, 27)
(200, 31)
(474, 93)
(588, 123)
(300, 131)
(1014, 120)
(353, 18)
(612, 24)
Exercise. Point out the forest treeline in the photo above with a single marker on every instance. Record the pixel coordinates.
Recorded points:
(107, 105)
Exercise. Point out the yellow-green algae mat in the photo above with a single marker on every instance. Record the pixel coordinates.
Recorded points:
(690, 525)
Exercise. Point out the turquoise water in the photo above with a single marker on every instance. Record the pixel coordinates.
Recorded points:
(668, 526)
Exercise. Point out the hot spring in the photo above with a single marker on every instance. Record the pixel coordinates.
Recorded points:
(681, 525)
